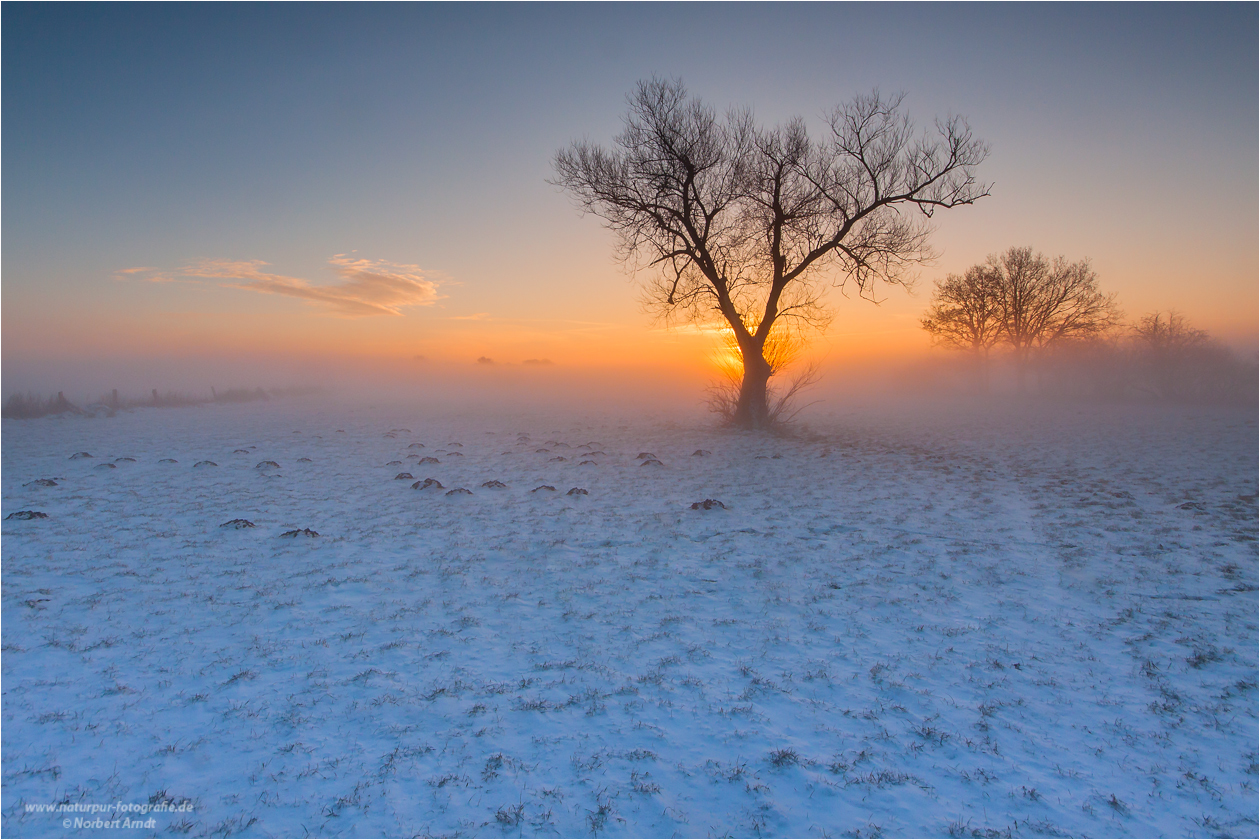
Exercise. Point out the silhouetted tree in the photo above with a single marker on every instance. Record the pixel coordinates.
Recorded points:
(966, 313)
(1049, 301)
(748, 226)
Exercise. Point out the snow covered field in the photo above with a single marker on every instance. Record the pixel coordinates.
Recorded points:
(911, 620)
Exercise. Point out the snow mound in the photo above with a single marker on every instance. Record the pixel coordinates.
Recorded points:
(427, 483)
(708, 504)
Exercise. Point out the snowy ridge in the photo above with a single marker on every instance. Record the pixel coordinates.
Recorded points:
(969, 622)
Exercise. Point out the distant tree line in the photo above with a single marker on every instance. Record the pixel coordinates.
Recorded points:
(31, 405)
(1049, 317)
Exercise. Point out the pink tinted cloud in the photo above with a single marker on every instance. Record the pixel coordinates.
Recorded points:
(144, 272)
(366, 287)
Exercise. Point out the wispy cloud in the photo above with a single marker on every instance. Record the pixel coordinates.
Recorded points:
(366, 287)
(144, 272)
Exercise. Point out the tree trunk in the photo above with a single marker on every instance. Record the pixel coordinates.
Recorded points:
(752, 411)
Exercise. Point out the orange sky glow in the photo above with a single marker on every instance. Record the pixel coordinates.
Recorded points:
(149, 222)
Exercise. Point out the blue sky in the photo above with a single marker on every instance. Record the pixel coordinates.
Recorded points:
(416, 139)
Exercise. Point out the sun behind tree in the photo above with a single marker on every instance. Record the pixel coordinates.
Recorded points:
(748, 226)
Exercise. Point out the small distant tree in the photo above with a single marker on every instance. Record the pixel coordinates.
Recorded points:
(1166, 333)
(1176, 360)
(966, 314)
(1039, 303)
(747, 226)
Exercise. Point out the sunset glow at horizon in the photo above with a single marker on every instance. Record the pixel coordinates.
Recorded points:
(245, 192)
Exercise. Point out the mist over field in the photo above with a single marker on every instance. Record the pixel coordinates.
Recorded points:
(1106, 374)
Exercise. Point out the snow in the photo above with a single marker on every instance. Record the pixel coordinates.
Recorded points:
(911, 619)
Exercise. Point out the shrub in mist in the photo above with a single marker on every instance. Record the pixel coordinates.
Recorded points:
(1160, 358)
(30, 405)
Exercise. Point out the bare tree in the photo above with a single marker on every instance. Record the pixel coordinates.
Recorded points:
(747, 227)
(966, 313)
